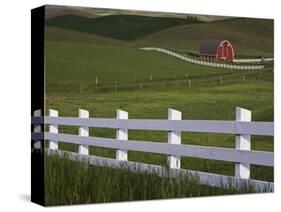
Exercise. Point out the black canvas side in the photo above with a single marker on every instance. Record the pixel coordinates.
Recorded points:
(37, 99)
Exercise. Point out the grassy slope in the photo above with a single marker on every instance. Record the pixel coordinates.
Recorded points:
(55, 10)
(248, 36)
(121, 27)
(74, 62)
(64, 35)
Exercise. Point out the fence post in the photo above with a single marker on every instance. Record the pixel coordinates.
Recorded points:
(220, 79)
(37, 129)
(83, 131)
(189, 83)
(116, 86)
(174, 137)
(53, 129)
(243, 142)
(121, 134)
(81, 90)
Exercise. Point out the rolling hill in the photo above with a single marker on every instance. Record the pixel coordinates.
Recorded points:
(64, 35)
(121, 27)
(248, 36)
(111, 59)
(55, 10)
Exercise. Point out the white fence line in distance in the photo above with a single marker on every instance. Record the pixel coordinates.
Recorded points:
(204, 63)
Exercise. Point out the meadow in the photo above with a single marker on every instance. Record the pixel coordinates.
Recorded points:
(74, 61)
(114, 63)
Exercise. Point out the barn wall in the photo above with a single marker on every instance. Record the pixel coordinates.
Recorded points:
(224, 50)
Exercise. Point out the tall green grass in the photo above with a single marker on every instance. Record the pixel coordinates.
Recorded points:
(72, 182)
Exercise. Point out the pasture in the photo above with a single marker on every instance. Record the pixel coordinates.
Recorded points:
(75, 59)
(81, 63)
(248, 36)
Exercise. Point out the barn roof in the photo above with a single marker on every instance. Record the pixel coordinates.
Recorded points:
(209, 46)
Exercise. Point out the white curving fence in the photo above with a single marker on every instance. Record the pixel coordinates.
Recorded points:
(242, 155)
(204, 63)
(254, 60)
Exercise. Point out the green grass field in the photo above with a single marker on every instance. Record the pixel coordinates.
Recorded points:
(75, 59)
(111, 63)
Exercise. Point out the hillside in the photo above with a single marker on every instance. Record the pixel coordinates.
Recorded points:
(55, 10)
(74, 62)
(64, 35)
(248, 36)
(121, 27)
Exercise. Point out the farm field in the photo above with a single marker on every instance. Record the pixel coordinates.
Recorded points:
(111, 63)
(248, 36)
(114, 62)
(101, 71)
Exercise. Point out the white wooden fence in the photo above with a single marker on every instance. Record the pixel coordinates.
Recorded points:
(242, 155)
(204, 63)
(253, 60)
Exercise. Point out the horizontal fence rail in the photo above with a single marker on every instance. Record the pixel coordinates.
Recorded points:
(241, 155)
(204, 63)
(212, 153)
(205, 126)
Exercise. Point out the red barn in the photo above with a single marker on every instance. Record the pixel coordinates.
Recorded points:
(219, 50)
